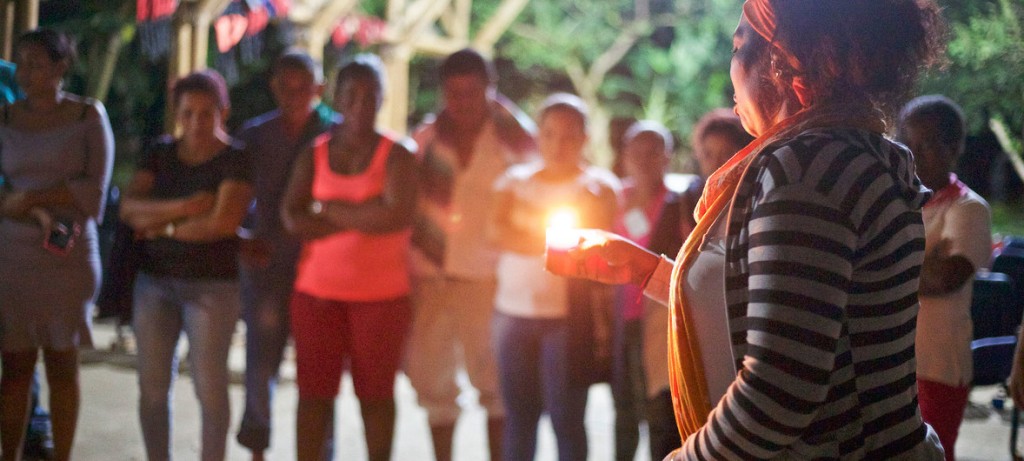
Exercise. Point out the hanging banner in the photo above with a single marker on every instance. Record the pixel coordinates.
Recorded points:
(153, 10)
(229, 30)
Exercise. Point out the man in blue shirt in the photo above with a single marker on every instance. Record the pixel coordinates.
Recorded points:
(269, 253)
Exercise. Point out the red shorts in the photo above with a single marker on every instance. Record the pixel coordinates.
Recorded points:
(367, 336)
(942, 407)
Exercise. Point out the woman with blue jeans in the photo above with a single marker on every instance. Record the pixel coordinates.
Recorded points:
(536, 333)
(185, 201)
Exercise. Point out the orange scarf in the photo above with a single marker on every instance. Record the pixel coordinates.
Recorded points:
(686, 370)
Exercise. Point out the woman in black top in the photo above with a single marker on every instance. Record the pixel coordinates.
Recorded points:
(187, 198)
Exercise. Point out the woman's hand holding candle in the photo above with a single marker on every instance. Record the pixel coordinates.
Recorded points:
(598, 255)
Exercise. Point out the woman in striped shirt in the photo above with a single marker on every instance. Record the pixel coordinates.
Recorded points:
(795, 298)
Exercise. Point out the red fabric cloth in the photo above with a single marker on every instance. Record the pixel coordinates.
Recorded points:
(370, 336)
(151, 10)
(632, 294)
(351, 265)
(942, 407)
(761, 16)
(954, 190)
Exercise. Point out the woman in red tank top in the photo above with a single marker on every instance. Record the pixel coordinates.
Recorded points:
(351, 198)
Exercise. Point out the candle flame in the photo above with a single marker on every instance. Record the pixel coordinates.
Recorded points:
(563, 218)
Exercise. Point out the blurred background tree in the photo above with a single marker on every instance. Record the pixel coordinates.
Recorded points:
(666, 60)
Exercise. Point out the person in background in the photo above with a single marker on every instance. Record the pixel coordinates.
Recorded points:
(269, 254)
(470, 143)
(537, 361)
(716, 137)
(794, 300)
(351, 198)
(646, 153)
(958, 242)
(56, 157)
(185, 201)
(39, 436)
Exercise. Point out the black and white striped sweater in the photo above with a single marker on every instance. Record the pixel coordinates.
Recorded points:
(823, 251)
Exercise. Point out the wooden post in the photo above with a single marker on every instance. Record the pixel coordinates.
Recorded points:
(395, 108)
(19, 16)
(315, 33)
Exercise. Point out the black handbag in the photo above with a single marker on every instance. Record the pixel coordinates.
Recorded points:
(122, 264)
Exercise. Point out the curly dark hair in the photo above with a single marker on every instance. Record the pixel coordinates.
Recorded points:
(853, 50)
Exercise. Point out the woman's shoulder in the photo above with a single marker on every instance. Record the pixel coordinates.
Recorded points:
(824, 159)
(89, 109)
(835, 150)
(524, 171)
(400, 144)
(602, 177)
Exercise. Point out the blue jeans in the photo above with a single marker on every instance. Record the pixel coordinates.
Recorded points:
(206, 310)
(533, 373)
(266, 294)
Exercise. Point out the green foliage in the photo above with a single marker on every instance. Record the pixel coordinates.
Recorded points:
(692, 75)
(553, 34)
(552, 42)
(674, 83)
(1007, 219)
(985, 74)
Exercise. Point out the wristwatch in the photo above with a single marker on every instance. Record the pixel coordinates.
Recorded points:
(316, 208)
(169, 229)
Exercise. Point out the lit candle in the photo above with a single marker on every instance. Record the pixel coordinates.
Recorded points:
(561, 236)
(562, 232)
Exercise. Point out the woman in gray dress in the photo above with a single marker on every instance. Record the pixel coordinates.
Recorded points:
(56, 154)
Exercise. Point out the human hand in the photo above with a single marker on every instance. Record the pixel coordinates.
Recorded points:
(676, 455)
(603, 257)
(43, 218)
(943, 272)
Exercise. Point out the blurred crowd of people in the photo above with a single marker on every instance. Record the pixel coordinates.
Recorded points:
(804, 293)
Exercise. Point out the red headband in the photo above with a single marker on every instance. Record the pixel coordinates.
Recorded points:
(761, 17)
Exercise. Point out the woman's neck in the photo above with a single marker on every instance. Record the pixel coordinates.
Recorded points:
(645, 190)
(560, 172)
(356, 135)
(44, 102)
(201, 148)
(295, 123)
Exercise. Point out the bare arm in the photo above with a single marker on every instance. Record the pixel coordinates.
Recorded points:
(146, 214)
(16, 204)
(392, 211)
(513, 226)
(84, 193)
(222, 220)
(943, 273)
(963, 246)
(295, 212)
